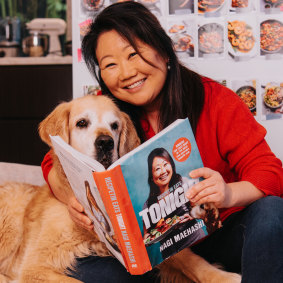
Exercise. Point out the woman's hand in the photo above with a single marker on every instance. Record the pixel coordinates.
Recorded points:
(78, 215)
(212, 189)
(66, 196)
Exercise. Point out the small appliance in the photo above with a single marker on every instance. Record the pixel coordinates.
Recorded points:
(40, 27)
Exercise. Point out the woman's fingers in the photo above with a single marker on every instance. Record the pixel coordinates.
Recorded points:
(208, 181)
(74, 203)
(78, 215)
(202, 172)
(199, 194)
(211, 189)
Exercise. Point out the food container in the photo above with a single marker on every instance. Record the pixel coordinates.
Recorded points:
(211, 38)
(248, 96)
(9, 49)
(271, 40)
(35, 45)
(273, 96)
(92, 5)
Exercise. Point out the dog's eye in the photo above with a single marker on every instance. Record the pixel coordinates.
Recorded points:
(82, 124)
(114, 126)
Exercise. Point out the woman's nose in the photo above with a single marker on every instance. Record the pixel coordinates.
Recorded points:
(127, 70)
(163, 169)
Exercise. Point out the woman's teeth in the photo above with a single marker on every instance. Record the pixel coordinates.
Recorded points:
(136, 84)
(163, 177)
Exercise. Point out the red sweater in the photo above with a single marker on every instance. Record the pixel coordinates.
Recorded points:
(231, 142)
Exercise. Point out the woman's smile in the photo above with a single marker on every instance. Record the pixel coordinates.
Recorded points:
(136, 85)
(164, 177)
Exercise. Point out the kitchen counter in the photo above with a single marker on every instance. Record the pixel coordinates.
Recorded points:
(47, 60)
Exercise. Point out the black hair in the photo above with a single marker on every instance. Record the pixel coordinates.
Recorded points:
(183, 91)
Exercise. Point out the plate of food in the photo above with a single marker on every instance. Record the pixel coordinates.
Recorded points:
(177, 28)
(183, 43)
(92, 5)
(240, 3)
(240, 36)
(248, 95)
(211, 38)
(273, 96)
(161, 230)
(208, 6)
(271, 36)
(273, 3)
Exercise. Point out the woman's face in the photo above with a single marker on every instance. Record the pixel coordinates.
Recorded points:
(161, 171)
(127, 76)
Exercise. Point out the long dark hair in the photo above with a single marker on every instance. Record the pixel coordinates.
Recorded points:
(183, 92)
(154, 191)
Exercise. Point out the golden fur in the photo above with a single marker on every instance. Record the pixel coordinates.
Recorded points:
(38, 239)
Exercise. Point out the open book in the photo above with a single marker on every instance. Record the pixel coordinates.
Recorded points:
(138, 205)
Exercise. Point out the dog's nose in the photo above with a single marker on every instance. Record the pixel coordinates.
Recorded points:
(104, 143)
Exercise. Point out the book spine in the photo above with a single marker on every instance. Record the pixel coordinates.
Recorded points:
(115, 196)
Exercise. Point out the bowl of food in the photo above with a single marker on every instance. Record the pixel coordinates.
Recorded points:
(240, 3)
(177, 28)
(92, 5)
(211, 38)
(271, 39)
(248, 95)
(209, 6)
(273, 3)
(273, 96)
(183, 43)
(240, 36)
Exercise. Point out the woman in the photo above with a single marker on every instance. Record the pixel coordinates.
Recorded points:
(136, 64)
(163, 180)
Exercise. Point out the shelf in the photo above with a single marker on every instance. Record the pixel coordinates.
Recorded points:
(48, 60)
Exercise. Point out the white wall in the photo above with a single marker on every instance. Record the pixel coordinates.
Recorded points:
(256, 68)
(259, 69)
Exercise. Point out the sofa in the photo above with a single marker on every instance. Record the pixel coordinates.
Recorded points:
(21, 173)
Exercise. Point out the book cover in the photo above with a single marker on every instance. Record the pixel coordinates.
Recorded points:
(142, 198)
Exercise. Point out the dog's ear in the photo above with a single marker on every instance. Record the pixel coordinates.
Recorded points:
(128, 138)
(56, 123)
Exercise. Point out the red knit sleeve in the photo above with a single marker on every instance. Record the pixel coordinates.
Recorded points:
(242, 143)
(46, 165)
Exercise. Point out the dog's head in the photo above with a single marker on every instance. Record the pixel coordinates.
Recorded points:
(94, 126)
(209, 213)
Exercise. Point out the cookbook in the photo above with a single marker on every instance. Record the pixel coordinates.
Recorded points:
(138, 205)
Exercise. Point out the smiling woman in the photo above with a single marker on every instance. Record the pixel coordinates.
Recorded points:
(134, 61)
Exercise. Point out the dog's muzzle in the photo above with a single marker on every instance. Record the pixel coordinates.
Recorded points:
(104, 146)
(104, 143)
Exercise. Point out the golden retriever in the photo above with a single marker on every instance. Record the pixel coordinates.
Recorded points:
(38, 240)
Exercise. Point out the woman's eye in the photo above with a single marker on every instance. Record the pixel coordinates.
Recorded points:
(109, 65)
(133, 54)
(82, 123)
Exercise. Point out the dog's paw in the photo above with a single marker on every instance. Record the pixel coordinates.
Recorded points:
(227, 277)
(4, 279)
(235, 278)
